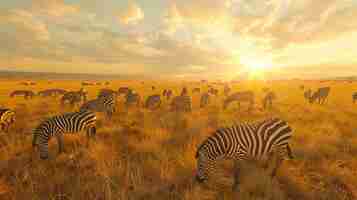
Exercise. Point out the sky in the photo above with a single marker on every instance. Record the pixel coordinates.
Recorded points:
(181, 38)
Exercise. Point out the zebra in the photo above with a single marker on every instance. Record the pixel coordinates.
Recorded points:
(268, 100)
(213, 91)
(308, 94)
(58, 125)
(321, 95)
(74, 97)
(132, 99)
(51, 92)
(204, 100)
(258, 141)
(247, 96)
(194, 90)
(25, 93)
(7, 118)
(181, 104)
(226, 90)
(184, 91)
(123, 90)
(354, 97)
(106, 92)
(153, 102)
(106, 104)
(169, 94)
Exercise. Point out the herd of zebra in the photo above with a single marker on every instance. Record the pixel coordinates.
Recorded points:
(267, 139)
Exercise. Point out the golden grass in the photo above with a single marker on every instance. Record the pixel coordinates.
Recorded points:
(142, 154)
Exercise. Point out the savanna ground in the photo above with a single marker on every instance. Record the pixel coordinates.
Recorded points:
(141, 154)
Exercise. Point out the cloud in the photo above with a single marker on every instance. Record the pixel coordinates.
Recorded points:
(54, 8)
(132, 15)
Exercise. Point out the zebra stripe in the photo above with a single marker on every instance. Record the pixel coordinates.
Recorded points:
(204, 100)
(321, 95)
(7, 118)
(58, 125)
(245, 141)
(106, 104)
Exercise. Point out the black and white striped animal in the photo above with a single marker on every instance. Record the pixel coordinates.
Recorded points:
(58, 125)
(354, 97)
(246, 96)
(226, 90)
(153, 102)
(132, 99)
(320, 95)
(25, 93)
(167, 93)
(105, 104)
(204, 101)
(106, 92)
(51, 92)
(268, 100)
(7, 118)
(74, 97)
(181, 104)
(308, 94)
(184, 91)
(258, 141)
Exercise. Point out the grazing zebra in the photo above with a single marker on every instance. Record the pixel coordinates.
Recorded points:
(226, 90)
(7, 118)
(354, 97)
(153, 102)
(321, 95)
(184, 91)
(181, 104)
(25, 93)
(258, 141)
(74, 97)
(194, 90)
(204, 101)
(105, 104)
(307, 94)
(213, 91)
(58, 125)
(123, 90)
(107, 92)
(132, 99)
(268, 100)
(51, 92)
(247, 96)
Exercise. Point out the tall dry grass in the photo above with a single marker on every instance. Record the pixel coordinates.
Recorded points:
(141, 154)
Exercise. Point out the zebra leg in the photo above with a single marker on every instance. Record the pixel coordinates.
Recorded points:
(236, 176)
(289, 152)
(278, 161)
(60, 143)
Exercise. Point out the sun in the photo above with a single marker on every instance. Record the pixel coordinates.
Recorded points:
(256, 67)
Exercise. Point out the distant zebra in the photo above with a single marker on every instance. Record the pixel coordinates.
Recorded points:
(153, 102)
(226, 90)
(107, 92)
(354, 97)
(321, 95)
(105, 104)
(204, 101)
(167, 93)
(25, 93)
(132, 99)
(123, 90)
(184, 91)
(58, 125)
(213, 91)
(51, 92)
(247, 96)
(259, 141)
(181, 104)
(268, 100)
(7, 118)
(308, 94)
(196, 90)
(74, 97)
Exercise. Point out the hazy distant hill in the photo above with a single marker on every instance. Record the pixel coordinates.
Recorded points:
(62, 76)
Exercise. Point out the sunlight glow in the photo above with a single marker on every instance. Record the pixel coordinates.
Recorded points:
(256, 66)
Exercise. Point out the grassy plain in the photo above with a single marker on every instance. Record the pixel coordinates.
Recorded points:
(150, 155)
